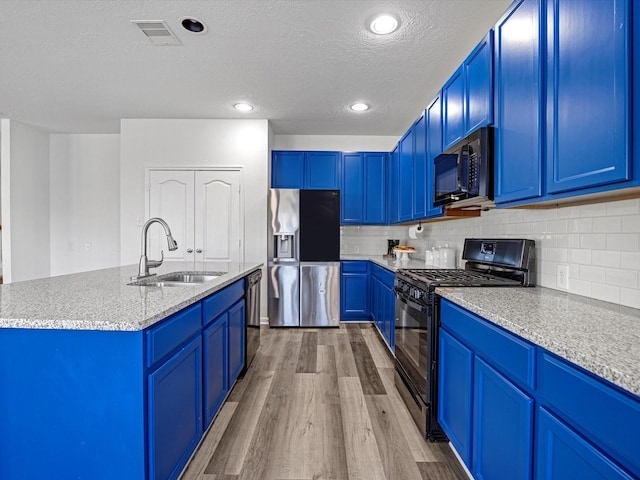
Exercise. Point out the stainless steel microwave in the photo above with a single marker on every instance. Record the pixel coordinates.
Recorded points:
(463, 175)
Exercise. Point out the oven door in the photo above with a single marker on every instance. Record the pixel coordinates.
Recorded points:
(412, 338)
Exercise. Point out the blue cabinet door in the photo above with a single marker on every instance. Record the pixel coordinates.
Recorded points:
(387, 310)
(588, 92)
(455, 393)
(561, 453)
(393, 185)
(433, 115)
(236, 340)
(215, 370)
(375, 201)
(420, 169)
(502, 427)
(518, 103)
(322, 171)
(478, 79)
(287, 169)
(352, 199)
(453, 109)
(175, 411)
(405, 179)
(354, 298)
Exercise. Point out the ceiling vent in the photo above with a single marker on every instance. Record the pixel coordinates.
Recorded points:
(158, 32)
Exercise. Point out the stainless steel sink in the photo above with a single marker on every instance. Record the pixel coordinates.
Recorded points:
(177, 279)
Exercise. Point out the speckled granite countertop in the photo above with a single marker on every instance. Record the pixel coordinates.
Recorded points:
(601, 337)
(102, 300)
(388, 263)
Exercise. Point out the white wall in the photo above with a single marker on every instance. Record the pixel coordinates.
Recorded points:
(25, 201)
(193, 143)
(343, 143)
(84, 202)
(600, 243)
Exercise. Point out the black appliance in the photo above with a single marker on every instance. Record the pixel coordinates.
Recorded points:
(252, 317)
(463, 174)
(490, 263)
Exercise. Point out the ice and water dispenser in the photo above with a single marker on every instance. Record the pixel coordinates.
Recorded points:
(284, 246)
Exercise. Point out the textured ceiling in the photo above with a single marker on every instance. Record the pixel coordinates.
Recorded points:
(79, 66)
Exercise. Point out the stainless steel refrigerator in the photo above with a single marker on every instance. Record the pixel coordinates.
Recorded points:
(304, 258)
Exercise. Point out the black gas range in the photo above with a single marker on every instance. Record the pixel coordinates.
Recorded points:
(489, 263)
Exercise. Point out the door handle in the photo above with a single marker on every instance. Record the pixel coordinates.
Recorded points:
(198, 250)
(189, 250)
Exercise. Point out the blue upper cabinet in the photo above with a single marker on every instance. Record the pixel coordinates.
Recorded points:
(518, 103)
(352, 194)
(375, 212)
(433, 116)
(322, 171)
(287, 169)
(453, 109)
(467, 97)
(478, 77)
(588, 93)
(405, 179)
(363, 199)
(420, 169)
(308, 170)
(393, 185)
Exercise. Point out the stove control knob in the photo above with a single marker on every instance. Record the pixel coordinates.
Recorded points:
(405, 288)
(417, 294)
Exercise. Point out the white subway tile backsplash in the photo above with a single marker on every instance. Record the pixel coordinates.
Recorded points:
(591, 274)
(605, 258)
(621, 278)
(631, 224)
(600, 243)
(593, 210)
(630, 260)
(607, 225)
(579, 256)
(624, 207)
(630, 297)
(608, 293)
(581, 225)
(594, 241)
(624, 242)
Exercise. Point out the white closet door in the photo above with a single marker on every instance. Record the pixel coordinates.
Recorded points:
(171, 197)
(219, 219)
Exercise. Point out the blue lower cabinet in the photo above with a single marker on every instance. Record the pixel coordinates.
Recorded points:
(215, 374)
(455, 393)
(383, 303)
(502, 426)
(388, 313)
(354, 290)
(236, 340)
(561, 453)
(175, 411)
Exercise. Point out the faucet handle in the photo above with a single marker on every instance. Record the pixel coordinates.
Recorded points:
(156, 263)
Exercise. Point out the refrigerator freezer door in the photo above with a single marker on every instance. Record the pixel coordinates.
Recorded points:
(320, 294)
(284, 295)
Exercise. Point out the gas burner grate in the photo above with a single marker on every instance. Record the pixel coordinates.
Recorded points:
(454, 278)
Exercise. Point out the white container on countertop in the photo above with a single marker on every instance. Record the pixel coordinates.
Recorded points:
(447, 257)
(428, 258)
(436, 256)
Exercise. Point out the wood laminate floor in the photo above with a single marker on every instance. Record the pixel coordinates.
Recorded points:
(319, 404)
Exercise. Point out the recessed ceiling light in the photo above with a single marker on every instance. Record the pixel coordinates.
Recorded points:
(359, 107)
(384, 24)
(193, 25)
(243, 107)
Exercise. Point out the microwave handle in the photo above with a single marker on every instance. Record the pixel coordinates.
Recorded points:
(462, 187)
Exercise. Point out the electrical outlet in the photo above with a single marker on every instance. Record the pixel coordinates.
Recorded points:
(356, 249)
(563, 277)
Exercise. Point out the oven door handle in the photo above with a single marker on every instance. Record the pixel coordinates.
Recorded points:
(410, 303)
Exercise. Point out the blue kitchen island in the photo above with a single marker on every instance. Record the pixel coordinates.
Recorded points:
(101, 379)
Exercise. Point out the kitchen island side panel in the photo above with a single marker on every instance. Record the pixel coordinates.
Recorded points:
(71, 404)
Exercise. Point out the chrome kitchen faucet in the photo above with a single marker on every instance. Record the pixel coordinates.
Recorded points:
(145, 264)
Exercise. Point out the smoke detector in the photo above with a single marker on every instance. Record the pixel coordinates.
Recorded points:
(158, 32)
